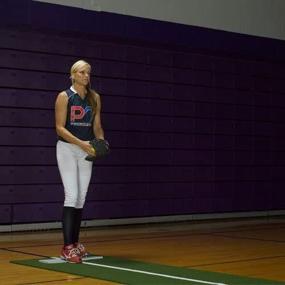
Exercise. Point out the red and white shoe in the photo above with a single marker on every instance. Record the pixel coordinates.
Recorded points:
(71, 254)
(81, 248)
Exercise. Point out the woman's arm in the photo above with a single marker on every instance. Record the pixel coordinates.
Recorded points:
(97, 126)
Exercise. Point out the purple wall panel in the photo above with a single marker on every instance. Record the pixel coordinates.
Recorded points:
(20, 155)
(41, 193)
(5, 214)
(27, 213)
(27, 136)
(192, 129)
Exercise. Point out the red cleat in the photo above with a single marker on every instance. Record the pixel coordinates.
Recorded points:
(71, 254)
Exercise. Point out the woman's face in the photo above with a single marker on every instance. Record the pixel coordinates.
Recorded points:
(82, 76)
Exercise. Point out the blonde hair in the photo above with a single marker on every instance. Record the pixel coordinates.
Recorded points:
(90, 93)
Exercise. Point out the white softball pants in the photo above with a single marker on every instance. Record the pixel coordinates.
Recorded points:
(75, 173)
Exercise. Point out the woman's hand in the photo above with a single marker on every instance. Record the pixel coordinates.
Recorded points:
(87, 147)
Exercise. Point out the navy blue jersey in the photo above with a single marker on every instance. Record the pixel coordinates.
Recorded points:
(79, 120)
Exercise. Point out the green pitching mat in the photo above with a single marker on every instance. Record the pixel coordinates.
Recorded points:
(133, 272)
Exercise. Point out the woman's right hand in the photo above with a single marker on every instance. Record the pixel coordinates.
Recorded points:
(87, 147)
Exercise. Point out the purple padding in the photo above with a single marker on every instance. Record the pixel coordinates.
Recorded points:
(171, 174)
(223, 64)
(243, 82)
(278, 157)
(115, 209)
(262, 143)
(148, 157)
(202, 62)
(21, 155)
(263, 195)
(262, 128)
(203, 173)
(27, 136)
(138, 106)
(184, 76)
(205, 126)
(243, 142)
(277, 115)
(224, 80)
(137, 123)
(136, 139)
(193, 157)
(244, 97)
(202, 190)
(223, 157)
(160, 140)
(263, 85)
(277, 172)
(202, 78)
(224, 142)
(137, 88)
(244, 128)
(223, 173)
(157, 73)
(27, 98)
(183, 124)
(118, 191)
(184, 141)
(156, 207)
(244, 112)
(41, 193)
(29, 175)
(262, 172)
(121, 174)
(160, 90)
(35, 61)
(278, 85)
(136, 71)
(160, 107)
(277, 195)
(32, 80)
(184, 108)
(136, 54)
(110, 69)
(243, 157)
(278, 145)
(159, 57)
(5, 214)
(14, 194)
(28, 213)
(202, 141)
(242, 172)
(262, 113)
(223, 189)
(183, 59)
(244, 196)
(262, 158)
(161, 124)
(170, 190)
(224, 111)
(114, 122)
(202, 109)
(225, 95)
(112, 104)
(28, 117)
(110, 86)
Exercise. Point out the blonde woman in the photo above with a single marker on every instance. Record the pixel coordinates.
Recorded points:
(77, 117)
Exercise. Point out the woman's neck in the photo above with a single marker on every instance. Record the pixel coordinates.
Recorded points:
(80, 89)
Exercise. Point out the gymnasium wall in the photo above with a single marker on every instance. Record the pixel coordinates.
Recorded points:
(194, 116)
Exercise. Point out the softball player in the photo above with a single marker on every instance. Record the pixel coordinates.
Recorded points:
(77, 116)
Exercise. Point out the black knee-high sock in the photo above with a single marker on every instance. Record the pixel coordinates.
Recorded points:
(77, 223)
(68, 217)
